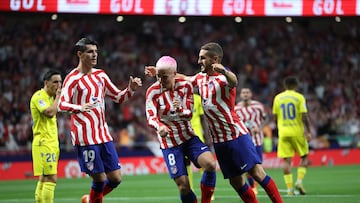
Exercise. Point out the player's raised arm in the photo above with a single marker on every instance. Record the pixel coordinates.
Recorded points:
(230, 76)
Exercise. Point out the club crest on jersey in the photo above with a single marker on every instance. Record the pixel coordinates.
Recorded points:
(211, 85)
(90, 166)
(173, 169)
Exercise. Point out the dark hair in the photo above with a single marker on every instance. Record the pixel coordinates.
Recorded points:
(49, 74)
(214, 49)
(81, 44)
(291, 82)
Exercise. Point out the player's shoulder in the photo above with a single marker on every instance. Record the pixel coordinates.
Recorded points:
(38, 94)
(154, 88)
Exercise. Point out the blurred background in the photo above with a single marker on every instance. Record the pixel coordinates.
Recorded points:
(324, 52)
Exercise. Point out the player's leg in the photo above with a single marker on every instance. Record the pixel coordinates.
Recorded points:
(266, 182)
(45, 189)
(302, 148)
(38, 168)
(233, 162)
(243, 189)
(175, 162)
(112, 168)
(207, 163)
(250, 179)
(186, 194)
(200, 155)
(286, 151)
(91, 163)
(288, 177)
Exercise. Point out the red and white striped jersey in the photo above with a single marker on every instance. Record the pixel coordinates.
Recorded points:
(160, 111)
(218, 101)
(89, 128)
(252, 115)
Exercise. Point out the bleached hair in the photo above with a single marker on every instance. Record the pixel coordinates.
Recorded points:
(166, 62)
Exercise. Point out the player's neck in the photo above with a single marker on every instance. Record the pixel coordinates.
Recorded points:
(84, 69)
(247, 102)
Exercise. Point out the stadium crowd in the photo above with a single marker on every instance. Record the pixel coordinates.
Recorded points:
(324, 54)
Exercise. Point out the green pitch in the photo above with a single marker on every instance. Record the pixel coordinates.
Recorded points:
(323, 184)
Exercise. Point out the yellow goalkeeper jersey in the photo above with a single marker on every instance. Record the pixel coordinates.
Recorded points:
(196, 119)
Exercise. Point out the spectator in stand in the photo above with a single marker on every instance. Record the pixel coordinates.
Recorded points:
(45, 145)
(84, 90)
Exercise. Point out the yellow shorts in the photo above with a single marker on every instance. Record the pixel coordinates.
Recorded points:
(288, 146)
(45, 159)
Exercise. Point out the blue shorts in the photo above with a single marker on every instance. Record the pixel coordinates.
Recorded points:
(175, 156)
(259, 150)
(237, 156)
(98, 158)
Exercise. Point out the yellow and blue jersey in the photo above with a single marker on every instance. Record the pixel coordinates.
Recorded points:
(288, 108)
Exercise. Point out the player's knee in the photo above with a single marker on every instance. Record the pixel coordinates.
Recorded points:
(113, 184)
(210, 166)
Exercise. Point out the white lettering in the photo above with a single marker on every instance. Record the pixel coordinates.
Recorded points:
(317, 10)
(15, 5)
(40, 6)
(234, 7)
(117, 6)
(138, 8)
(339, 8)
(327, 7)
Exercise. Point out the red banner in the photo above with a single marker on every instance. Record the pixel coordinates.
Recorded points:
(156, 165)
(329, 8)
(190, 7)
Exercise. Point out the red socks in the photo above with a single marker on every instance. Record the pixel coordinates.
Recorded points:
(206, 193)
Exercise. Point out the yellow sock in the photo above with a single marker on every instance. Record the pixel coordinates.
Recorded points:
(301, 171)
(190, 175)
(48, 192)
(38, 192)
(288, 181)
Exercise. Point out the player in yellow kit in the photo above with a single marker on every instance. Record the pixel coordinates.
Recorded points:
(289, 108)
(45, 145)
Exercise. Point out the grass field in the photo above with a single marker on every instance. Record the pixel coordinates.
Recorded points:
(339, 184)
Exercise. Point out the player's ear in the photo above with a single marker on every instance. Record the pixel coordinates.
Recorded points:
(78, 53)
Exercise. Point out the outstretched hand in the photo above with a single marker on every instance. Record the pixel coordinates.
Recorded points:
(134, 83)
(150, 71)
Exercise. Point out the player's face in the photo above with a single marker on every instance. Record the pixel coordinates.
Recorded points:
(53, 84)
(205, 61)
(166, 77)
(89, 56)
(245, 94)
